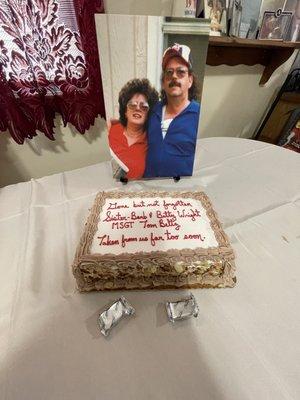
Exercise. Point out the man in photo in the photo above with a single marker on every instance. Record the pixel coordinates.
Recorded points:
(173, 123)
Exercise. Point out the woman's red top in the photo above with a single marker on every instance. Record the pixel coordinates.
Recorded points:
(134, 156)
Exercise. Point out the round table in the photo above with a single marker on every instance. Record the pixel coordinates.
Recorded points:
(243, 345)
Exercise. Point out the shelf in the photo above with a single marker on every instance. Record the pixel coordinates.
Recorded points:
(235, 51)
(186, 26)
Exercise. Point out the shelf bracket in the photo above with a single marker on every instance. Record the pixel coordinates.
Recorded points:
(277, 57)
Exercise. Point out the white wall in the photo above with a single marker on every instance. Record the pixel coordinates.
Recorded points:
(233, 103)
(40, 156)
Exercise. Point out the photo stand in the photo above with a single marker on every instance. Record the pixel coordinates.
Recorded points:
(123, 180)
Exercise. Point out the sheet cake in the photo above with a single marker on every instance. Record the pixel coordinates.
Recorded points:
(153, 240)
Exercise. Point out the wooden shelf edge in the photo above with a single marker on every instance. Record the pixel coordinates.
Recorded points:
(239, 42)
(224, 50)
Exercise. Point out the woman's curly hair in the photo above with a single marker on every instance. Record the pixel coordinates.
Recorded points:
(194, 90)
(141, 86)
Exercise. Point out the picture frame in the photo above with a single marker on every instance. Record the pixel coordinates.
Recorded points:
(236, 17)
(148, 65)
(271, 6)
(275, 25)
(294, 30)
(249, 20)
(216, 11)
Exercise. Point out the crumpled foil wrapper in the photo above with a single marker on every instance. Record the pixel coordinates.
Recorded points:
(182, 309)
(112, 315)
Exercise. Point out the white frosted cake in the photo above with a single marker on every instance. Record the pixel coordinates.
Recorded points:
(148, 240)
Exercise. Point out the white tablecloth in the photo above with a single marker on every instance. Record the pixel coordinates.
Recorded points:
(245, 344)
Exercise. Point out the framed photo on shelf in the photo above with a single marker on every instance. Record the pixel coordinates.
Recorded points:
(275, 25)
(236, 17)
(216, 11)
(294, 30)
(271, 6)
(249, 20)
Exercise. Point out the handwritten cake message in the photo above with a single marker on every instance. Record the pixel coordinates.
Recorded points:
(152, 224)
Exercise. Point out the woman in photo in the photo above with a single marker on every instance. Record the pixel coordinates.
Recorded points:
(128, 137)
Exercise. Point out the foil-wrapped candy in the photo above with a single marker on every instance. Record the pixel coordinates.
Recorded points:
(114, 314)
(182, 309)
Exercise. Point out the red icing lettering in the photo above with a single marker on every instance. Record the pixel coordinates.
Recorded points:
(175, 204)
(154, 204)
(106, 241)
(197, 237)
(193, 214)
(164, 214)
(170, 236)
(135, 216)
(168, 223)
(140, 204)
(155, 239)
(129, 239)
(122, 225)
(111, 217)
(146, 224)
(115, 206)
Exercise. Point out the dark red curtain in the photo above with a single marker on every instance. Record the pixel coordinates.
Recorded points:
(49, 64)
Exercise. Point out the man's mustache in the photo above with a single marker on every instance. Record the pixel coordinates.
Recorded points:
(174, 83)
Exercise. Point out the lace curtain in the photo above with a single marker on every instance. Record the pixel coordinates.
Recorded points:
(49, 64)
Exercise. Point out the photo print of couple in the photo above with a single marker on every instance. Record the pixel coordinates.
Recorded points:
(152, 90)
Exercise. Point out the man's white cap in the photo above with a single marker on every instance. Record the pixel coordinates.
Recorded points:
(177, 50)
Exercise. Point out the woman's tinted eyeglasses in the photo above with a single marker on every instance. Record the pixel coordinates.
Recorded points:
(180, 72)
(134, 105)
